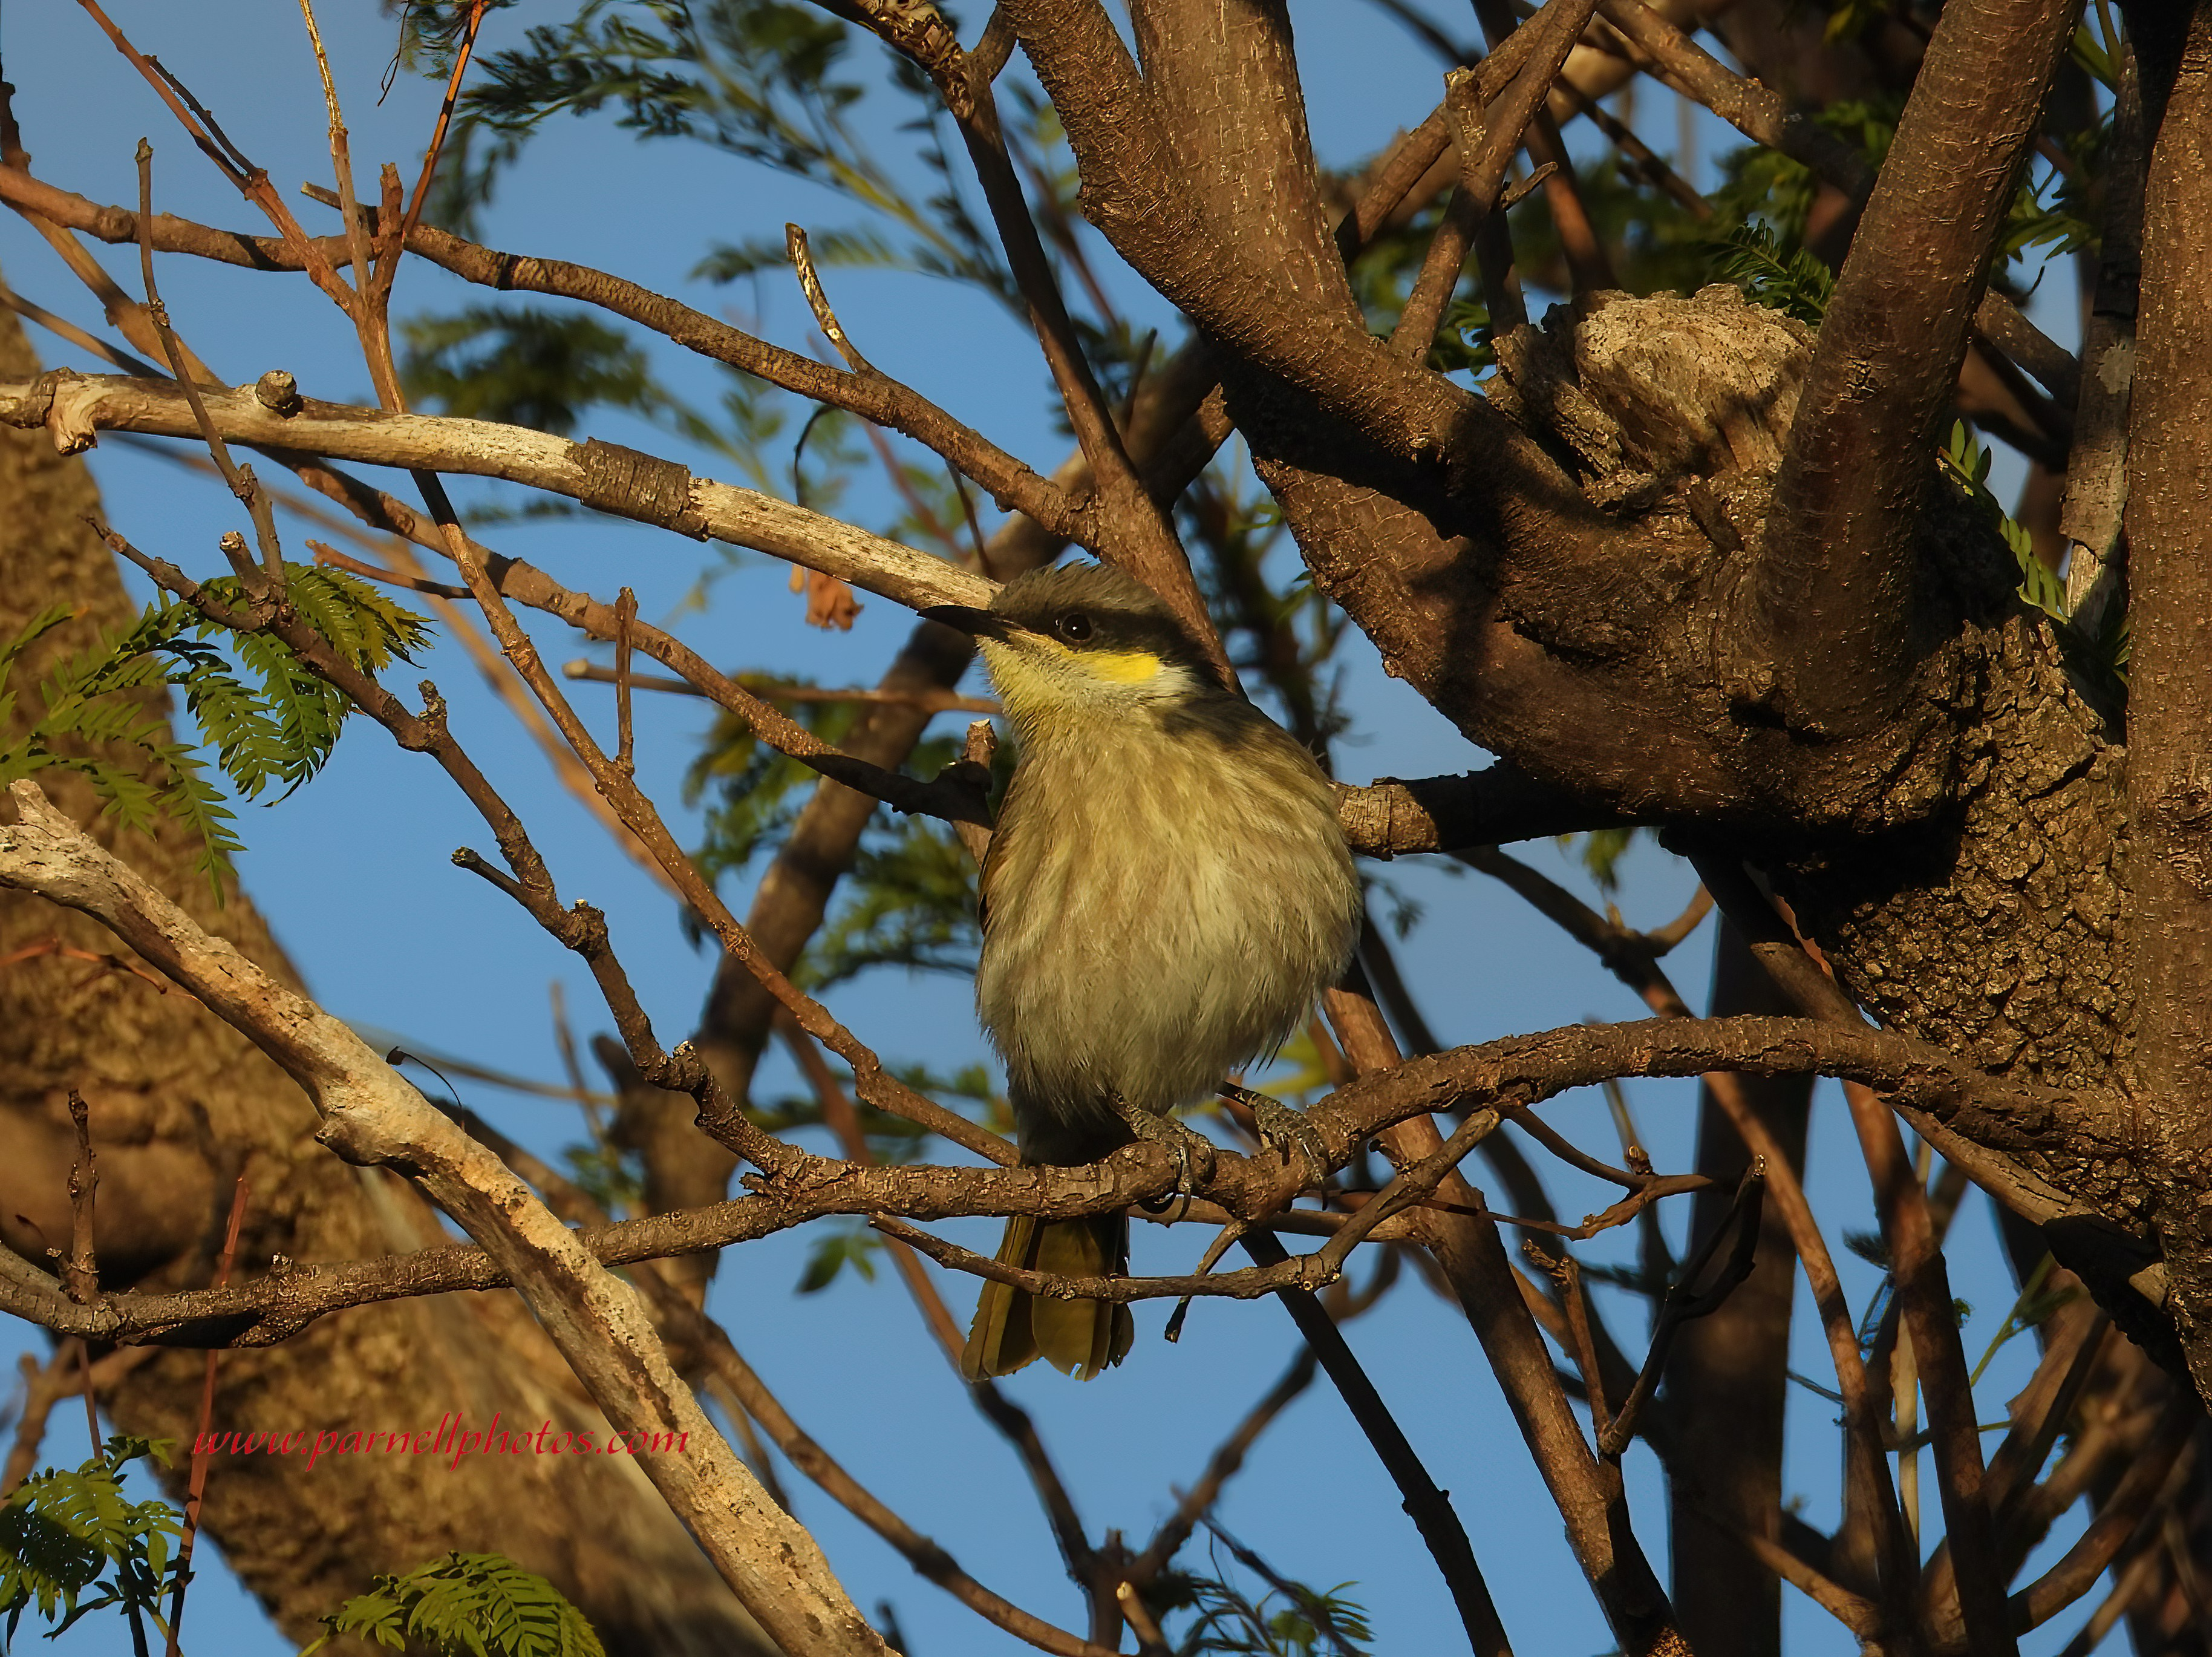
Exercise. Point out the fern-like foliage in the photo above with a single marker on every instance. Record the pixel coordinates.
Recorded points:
(1772, 273)
(2095, 647)
(466, 1604)
(268, 718)
(1967, 464)
(89, 703)
(1291, 1621)
(71, 1543)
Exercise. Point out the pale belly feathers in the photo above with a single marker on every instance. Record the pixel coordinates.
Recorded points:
(1163, 937)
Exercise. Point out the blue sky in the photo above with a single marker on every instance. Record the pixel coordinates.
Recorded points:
(355, 871)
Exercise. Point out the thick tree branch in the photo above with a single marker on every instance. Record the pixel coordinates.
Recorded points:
(1588, 1494)
(1391, 819)
(1923, 1288)
(1487, 143)
(2169, 777)
(1239, 277)
(607, 477)
(1137, 531)
(373, 1118)
(1764, 116)
(1519, 1071)
(1834, 596)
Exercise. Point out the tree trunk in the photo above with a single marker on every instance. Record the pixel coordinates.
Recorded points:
(181, 1104)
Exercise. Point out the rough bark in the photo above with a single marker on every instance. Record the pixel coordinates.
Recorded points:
(2169, 781)
(180, 1105)
(1993, 922)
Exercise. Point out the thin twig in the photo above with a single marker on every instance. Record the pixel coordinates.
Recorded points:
(340, 155)
(844, 1121)
(251, 181)
(1429, 1507)
(809, 284)
(76, 336)
(196, 1490)
(1220, 1468)
(625, 618)
(436, 148)
(2114, 1605)
(1562, 1271)
(1684, 1301)
(240, 479)
(1485, 149)
(46, 1385)
(1858, 1614)
(768, 690)
(325, 553)
(80, 1269)
(91, 1400)
(1011, 1421)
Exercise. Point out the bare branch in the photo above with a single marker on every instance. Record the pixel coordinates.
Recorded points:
(1136, 529)
(1685, 1300)
(80, 1267)
(1486, 145)
(1763, 116)
(372, 1119)
(1392, 818)
(1924, 1289)
(936, 702)
(604, 476)
(1429, 1508)
(882, 401)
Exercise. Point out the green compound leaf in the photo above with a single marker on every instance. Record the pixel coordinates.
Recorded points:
(1773, 274)
(72, 1542)
(466, 1604)
(270, 720)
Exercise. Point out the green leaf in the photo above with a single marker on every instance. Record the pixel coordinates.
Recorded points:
(273, 723)
(72, 1542)
(1967, 463)
(1601, 852)
(1772, 273)
(480, 1604)
(854, 1246)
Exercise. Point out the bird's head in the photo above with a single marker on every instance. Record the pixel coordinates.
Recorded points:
(1085, 638)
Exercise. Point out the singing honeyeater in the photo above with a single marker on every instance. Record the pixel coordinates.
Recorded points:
(1166, 892)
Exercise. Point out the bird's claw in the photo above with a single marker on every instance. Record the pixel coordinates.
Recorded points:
(1281, 1128)
(1190, 1146)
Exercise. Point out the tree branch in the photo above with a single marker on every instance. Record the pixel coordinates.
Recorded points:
(372, 1119)
(1834, 592)
(1764, 116)
(1487, 143)
(49, 858)
(604, 476)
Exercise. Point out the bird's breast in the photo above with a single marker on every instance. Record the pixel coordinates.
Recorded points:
(1161, 910)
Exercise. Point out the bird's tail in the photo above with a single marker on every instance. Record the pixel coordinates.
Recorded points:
(1014, 1327)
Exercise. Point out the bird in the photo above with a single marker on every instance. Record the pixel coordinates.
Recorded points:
(1166, 890)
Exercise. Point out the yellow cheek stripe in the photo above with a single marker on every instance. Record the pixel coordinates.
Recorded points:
(1122, 666)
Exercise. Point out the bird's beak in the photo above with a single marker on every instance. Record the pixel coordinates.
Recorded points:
(966, 618)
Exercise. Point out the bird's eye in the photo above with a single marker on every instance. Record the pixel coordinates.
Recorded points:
(1074, 627)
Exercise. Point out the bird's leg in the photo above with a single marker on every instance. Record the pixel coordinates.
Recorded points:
(1189, 1145)
(1280, 1127)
